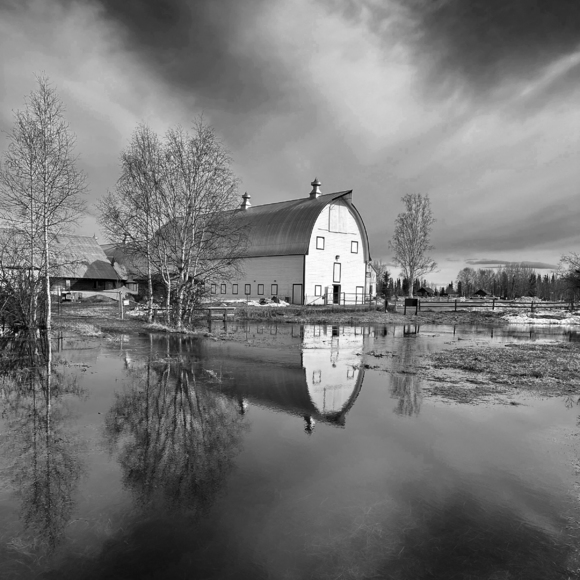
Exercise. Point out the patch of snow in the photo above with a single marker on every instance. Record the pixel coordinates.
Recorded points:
(541, 319)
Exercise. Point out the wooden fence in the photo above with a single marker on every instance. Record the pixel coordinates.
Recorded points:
(495, 304)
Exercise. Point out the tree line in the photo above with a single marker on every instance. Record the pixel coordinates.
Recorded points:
(411, 243)
(513, 280)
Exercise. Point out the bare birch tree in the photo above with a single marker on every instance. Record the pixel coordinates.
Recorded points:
(201, 239)
(411, 239)
(174, 205)
(40, 185)
(130, 214)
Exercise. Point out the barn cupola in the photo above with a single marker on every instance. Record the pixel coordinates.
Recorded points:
(315, 188)
(246, 201)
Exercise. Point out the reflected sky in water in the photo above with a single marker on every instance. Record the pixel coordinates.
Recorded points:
(282, 454)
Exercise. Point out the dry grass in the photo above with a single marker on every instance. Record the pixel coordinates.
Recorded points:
(478, 373)
(76, 327)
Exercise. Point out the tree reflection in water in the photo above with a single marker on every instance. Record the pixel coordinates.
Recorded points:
(39, 448)
(176, 439)
(406, 385)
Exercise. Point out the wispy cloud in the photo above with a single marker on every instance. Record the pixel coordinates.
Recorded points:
(498, 263)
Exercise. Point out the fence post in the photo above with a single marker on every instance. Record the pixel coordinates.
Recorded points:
(456, 306)
(493, 304)
(532, 309)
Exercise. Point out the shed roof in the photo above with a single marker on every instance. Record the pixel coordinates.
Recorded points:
(71, 256)
(82, 257)
(284, 228)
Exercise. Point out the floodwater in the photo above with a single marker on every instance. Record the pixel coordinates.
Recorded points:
(280, 455)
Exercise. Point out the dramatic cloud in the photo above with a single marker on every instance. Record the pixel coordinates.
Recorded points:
(474, 102)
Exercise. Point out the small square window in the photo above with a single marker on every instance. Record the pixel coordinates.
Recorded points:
(223, 289)
(317, 290)
(234, 288)
(354, 247)
(319, 242)
(248, 289)
(274, 289)
(260, 289)
(214, 288)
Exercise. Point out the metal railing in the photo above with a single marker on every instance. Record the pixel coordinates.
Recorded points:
(340, 299)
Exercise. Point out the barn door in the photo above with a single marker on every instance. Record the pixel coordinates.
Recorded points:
(296, 293)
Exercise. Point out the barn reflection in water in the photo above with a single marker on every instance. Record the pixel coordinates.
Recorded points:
(316, 375)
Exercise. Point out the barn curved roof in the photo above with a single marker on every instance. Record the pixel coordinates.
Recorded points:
(285, 228)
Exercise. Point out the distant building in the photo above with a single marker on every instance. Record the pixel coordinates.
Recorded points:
(82, 265)
(425, 292)
(313, 250)
(78, 263)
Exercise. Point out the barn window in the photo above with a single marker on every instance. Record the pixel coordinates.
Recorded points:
(248, 289)
(320, 242)
(234, 288)
(336, 272)
(274, 289)
(260, 289)
(223, 289)
(214, 288)
(317, 290)
(354, 247)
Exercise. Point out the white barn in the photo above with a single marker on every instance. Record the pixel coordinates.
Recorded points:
(313, 250)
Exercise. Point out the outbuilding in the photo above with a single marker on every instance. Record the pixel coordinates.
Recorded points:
(481, 293)
(313, 250)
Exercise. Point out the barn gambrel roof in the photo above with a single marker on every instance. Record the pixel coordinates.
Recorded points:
(285, 228)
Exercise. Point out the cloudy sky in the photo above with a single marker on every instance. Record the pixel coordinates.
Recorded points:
(474, 102)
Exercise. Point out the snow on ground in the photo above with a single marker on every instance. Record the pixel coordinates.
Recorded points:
(561, 318)
(268, 302)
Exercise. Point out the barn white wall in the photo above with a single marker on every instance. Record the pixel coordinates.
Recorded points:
(337, 224)
(282, 270)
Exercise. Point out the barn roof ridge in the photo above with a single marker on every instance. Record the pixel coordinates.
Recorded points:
(324, 198)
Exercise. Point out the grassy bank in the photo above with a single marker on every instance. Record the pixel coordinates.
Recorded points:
(357, 316)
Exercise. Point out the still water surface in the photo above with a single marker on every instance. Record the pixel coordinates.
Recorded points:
(277, 456)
